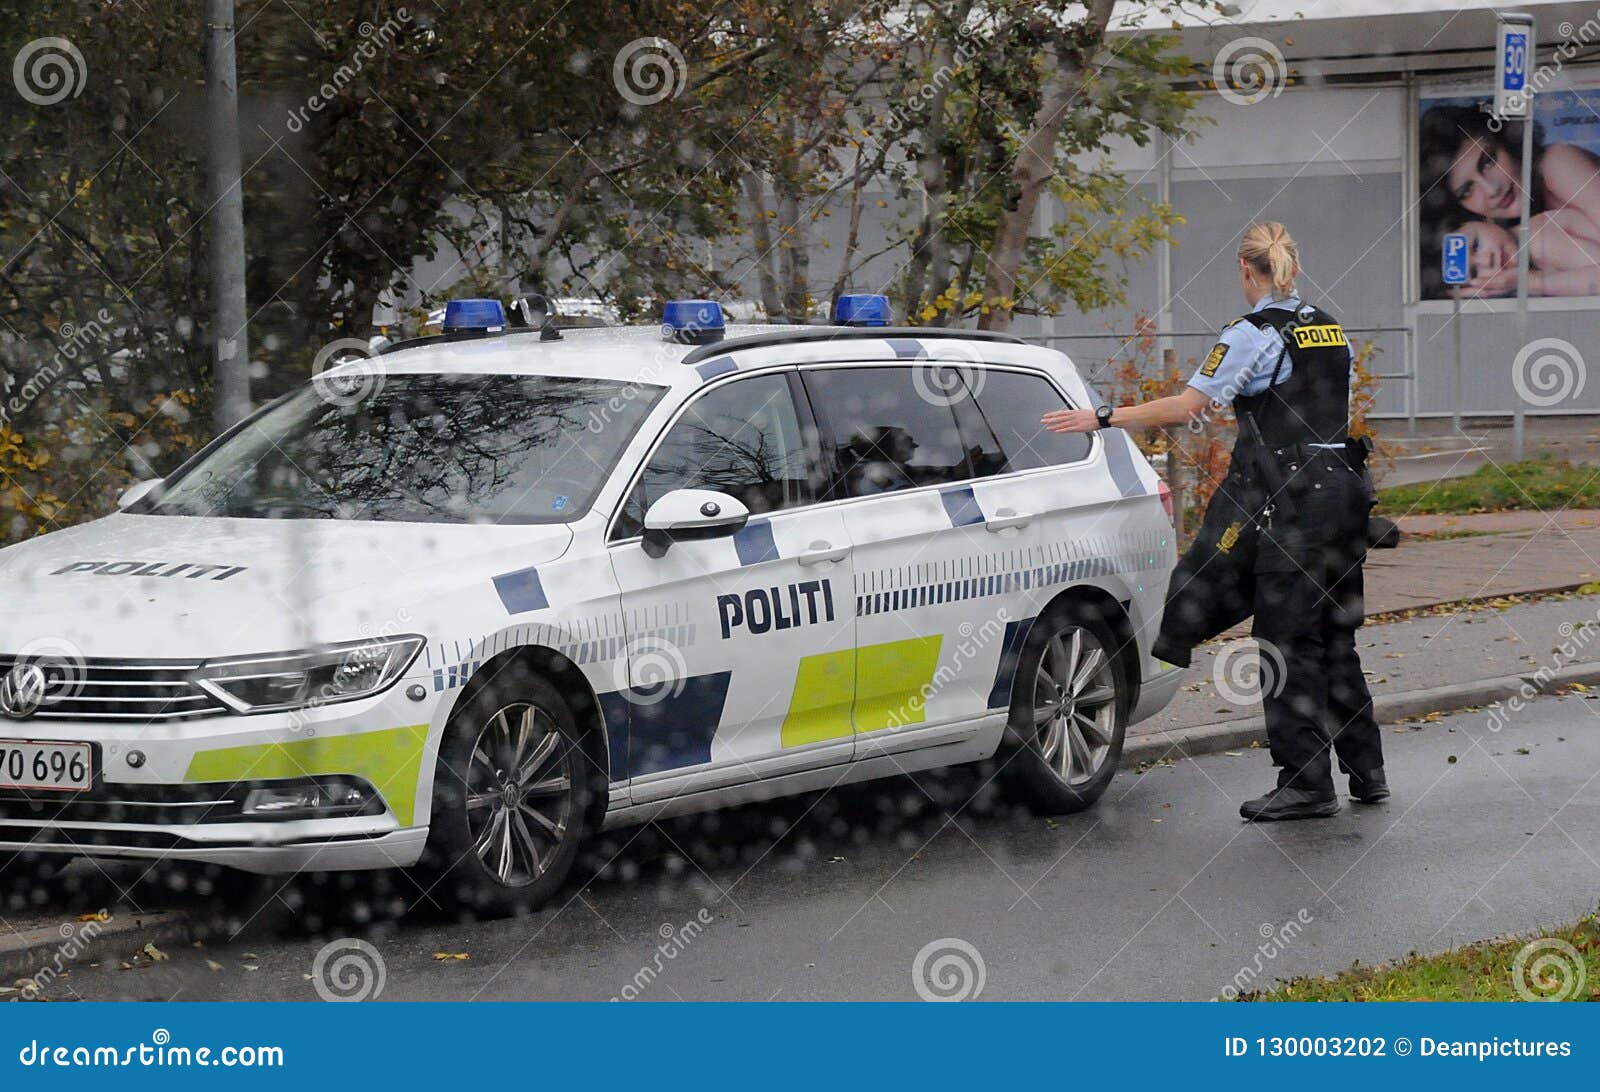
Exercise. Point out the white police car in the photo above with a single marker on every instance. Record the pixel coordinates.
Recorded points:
(458, 606)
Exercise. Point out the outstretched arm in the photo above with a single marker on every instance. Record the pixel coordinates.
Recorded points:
(1175, 409)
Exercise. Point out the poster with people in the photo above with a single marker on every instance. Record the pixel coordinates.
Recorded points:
(1470, 181)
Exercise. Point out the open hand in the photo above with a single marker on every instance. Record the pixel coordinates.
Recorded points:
(1070, 420)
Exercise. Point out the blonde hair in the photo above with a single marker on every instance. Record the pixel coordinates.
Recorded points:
(1268, 249)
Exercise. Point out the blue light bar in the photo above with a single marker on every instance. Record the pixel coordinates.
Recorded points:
(692, 322)
(485, 315)
(861, 310)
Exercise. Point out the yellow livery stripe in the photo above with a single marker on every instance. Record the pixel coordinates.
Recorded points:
(879, 686)
(390, 759)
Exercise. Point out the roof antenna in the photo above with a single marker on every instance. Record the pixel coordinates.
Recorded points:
(549, 331)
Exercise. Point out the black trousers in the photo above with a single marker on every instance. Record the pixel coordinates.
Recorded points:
(1299, 573)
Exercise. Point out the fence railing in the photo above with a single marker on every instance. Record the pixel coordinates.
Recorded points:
(1096, 369)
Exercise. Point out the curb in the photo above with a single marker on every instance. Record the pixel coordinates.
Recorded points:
(1454, 697)
(51, 948)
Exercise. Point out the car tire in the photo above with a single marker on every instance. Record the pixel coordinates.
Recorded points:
(1070, 701)
(514, 792)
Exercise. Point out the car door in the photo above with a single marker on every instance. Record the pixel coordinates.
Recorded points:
(741, 649)
(923, 564)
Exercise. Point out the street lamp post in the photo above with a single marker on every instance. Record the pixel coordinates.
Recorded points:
(229, 317)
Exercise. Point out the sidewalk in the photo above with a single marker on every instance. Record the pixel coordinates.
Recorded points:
(1511, 553)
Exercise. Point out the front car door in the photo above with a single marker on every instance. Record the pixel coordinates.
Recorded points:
(741, 650)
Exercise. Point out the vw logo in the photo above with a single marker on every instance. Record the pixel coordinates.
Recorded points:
(22, 691)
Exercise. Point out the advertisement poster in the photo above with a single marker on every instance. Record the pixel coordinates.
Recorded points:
(1470, 169)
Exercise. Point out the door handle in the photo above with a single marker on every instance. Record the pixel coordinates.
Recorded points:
(1006, 518)
(819, 552)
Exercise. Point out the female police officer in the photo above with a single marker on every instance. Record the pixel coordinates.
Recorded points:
(1285, 533)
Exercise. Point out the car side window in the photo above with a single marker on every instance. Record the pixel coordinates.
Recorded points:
(1011, 404)
(742, 438)
(888, 430)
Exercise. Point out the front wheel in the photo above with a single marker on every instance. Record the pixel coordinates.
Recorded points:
(1069, 711)
(512, 795)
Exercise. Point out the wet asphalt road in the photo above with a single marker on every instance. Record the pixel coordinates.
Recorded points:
(1160, 892)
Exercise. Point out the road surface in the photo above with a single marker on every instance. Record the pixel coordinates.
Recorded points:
(1160, 892)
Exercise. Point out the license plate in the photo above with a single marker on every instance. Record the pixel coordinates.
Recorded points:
(60, 767)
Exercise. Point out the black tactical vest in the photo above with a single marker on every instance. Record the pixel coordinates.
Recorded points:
(1311, 406)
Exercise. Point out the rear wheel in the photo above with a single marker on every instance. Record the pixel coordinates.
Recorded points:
(1069, 711)
(512, 796)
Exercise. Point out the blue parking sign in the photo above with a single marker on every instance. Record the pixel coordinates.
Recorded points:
(1456, 266)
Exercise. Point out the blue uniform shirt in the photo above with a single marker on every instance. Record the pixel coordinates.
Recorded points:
(1243, 359)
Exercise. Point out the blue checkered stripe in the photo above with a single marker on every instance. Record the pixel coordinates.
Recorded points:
(448, 678)
(934, 583)
(589, 641)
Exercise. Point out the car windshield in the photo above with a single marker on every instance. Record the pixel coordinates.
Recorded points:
(419, 448)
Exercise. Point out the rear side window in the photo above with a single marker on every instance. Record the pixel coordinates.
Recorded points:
(1010, 404)
(888, 430)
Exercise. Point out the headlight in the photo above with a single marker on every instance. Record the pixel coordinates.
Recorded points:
(321, 676)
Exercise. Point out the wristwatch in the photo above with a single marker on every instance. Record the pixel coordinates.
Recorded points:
(1102, 413)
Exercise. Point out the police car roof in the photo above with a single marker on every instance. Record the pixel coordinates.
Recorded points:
(643, 354)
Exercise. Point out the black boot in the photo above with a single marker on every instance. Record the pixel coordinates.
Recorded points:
(1369, 788)
(1289, 802)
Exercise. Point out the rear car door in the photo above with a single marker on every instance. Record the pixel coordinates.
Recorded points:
(741, 650)
(899, 464)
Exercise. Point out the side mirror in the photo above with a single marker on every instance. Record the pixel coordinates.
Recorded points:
(137, 492)
(684, 515)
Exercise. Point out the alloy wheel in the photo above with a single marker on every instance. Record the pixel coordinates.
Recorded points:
(519, 793)
(1075, 705)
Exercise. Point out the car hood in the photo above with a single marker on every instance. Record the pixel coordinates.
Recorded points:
(189, 587)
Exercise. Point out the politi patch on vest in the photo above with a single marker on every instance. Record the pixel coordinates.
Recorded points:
(1214, 359)
(1319, 337)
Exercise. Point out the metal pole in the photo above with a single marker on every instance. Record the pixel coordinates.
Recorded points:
(1163, 146)
(1522, 272)
(1455, 377)
(230, 345)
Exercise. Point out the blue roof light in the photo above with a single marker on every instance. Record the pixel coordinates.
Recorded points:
(861, 310)
(485, 315)
(692, 322)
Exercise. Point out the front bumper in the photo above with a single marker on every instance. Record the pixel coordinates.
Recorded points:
(174, 790)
